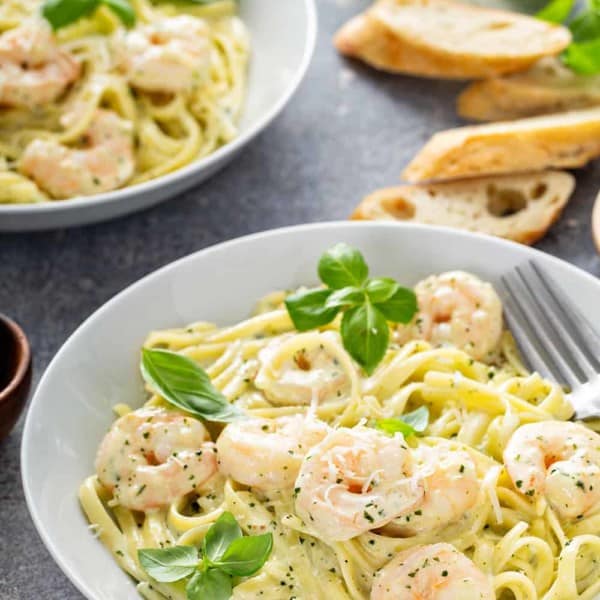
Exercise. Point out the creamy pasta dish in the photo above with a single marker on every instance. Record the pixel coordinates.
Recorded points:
(446, 471)
(127, 92)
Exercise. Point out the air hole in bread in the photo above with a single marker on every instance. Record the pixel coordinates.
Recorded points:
(504, 202)
(538, 190)
(400, 208)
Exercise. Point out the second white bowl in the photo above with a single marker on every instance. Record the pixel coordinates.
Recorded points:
(283, 38)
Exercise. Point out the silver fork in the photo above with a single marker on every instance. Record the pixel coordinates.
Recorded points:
(555, 337)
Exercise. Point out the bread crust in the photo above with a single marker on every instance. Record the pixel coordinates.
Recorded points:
(568, 140)
(532, 203)
(547, 87)
(380, 38)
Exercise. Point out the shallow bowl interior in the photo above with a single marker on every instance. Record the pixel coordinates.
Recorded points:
(98, 366)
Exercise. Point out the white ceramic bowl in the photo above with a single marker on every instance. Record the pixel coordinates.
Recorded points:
(98, 366)
(283, 34)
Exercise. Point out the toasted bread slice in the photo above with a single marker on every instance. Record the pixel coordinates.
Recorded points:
(446, 39)
(567, 139)
(547, 87)
(516, 207)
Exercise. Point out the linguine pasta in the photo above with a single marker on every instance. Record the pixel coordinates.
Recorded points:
(169, 129)
(521, 544)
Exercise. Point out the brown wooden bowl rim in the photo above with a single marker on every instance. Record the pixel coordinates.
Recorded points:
(25, 361)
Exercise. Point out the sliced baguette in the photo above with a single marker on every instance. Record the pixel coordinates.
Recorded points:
(568, 139)
(545, 88)
(447, 39)
(519, 207)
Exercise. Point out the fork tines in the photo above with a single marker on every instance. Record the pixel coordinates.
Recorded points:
(553, 334)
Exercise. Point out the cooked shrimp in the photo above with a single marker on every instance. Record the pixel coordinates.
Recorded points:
(305, 368)
(170, 55)
(355, 480)
(558, 460)
(267, 453)
(150, 457)
(450, 490)
(104, 164)
(432, 572)
(457, 308)
(34, 70)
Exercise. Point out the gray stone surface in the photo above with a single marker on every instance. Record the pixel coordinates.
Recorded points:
(347, 131)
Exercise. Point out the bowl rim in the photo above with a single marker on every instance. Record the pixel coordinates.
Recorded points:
(25, 360)
(55, 550)
(186, 172)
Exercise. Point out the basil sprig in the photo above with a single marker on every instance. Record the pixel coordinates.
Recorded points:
(181, 382)
(60, 13)
(583, 53)
(556, 11)
(411, 423)
(367, 304)
(226, 553)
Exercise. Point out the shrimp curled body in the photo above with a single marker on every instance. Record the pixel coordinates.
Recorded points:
(151, 457)
(104, 164)
(34, 70)
(457, 308)
(267, 453)
(355, 480)
(432, 572)
(450, 490)
(170, 55)
(558, 460)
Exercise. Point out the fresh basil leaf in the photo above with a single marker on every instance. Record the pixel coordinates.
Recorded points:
(212, 584)
(408, 424)
(169, 564)
(123, 10)
(181, 382)
(381, 289)
(218, 538)
(585, 27)
(583, 57)
(64, 12)
(400, 307)
(345, 297)
(394, 425)
(308, 310)
(556, 11)
(365, 335)
(343, 266)
(246, 555)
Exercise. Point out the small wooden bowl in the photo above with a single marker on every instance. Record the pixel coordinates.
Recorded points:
(15, 373)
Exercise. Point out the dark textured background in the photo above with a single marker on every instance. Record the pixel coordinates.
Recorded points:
(347, 131)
